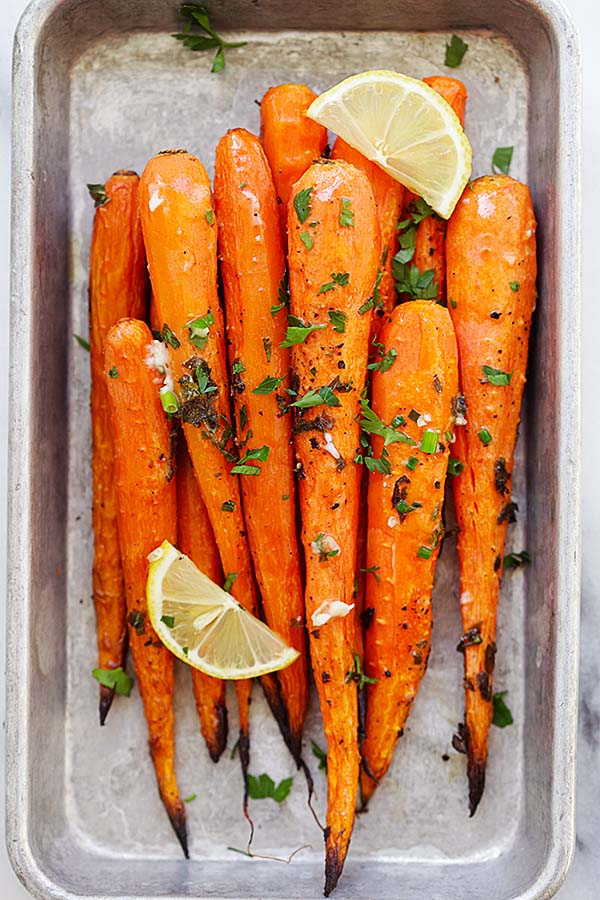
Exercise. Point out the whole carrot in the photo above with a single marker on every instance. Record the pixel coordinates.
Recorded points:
(491, 254)
(180, 235)
(118, 287)
(147, 515)
(411, 423)
(430, 239)
(195, 538)
(333, 270)
(291, 140)
(389, 197)
(253, 272)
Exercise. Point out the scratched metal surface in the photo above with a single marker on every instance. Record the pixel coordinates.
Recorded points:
(96, 826)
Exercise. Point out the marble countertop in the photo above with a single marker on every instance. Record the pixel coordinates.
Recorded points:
(584, 877)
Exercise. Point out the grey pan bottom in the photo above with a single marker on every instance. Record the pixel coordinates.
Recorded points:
(84, 818)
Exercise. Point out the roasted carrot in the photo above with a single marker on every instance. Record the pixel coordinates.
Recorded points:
(195, 538)
(333, 270)
(253, 272)
(491, 254)
(118, 287)
(411, 422)
(147, 515)
(180, 235)
(291, 140)
(430, 241)
(389, 197)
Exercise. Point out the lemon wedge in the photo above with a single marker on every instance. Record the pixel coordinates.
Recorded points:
(405, 127)
(205, 626)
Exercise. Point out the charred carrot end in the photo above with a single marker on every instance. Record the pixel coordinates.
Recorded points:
(146, 511)
(195, 539)
(389, 197)
(333, 310)
(118, 288)
(491, 267)
(250, 242)
(411, 423)
(291, 140)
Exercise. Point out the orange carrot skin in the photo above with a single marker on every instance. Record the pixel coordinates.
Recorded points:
(423, 377)
(195, 538)
(291, 140)
(430, 245)
(329, 484)
(252, 268)
(180, 235)
(389, 197)
(490, 246)
(147, 515)
(118, 287)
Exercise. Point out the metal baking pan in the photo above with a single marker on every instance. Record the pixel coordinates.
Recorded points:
(100, 85)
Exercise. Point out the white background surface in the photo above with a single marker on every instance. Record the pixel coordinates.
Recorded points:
(583, 882)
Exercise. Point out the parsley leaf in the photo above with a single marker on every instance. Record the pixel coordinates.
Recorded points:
(496, 376)
(338, 320)
(268, 385)
(115, 679)
(514, 560)
(356, 674)
(283, 295)
(502, 714)
(386, 362)
(307, 240)
(206, 38)
(337, 278)
(514, 285)
(323, 395)
(242, 467)
(347, 214)
(455, 51)
(209, 214)
(190, 798)
(502, 159)
(228, 583)
(372, 424)
(410, 280)
(298, 332)
(302, 204)
(82, 342)
(263, 787)
(321, 755)
(98, 195)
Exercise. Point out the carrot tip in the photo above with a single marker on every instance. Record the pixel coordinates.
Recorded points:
(106, 699)
(476, 775)
(177, 817)
(218, 740)
(333, 869)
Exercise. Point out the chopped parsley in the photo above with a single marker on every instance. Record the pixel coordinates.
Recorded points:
(263, 787)
(82, 342)
(356, 674)
(405, 508)
(514, 560)
(297, 332)
(209, 216)
(113, 373)
(204, 37)
(228, 583)
(372, 424)
(387, 359)
(410, 280)
(198, 329)
(321, 755)
(496, 376)
(324, 554)
(502, 714)
(307, 240)
(455, 51)
(243, 468)
(338, 279)
(115, 679)
(347, 214)
(169, 621)
(502, 159)
(98, 195)
(302, 204)
(338, 320)
(268, 385)
(169, 337)
(190, 797)
(283, 295)
(375, 298)
(373, 570)
(514, 285)
(324, 395)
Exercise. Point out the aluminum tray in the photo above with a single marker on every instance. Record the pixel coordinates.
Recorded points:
(100, 85)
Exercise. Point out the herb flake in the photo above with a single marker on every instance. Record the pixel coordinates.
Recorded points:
(115, 679)
(455, 51)
(502, 159)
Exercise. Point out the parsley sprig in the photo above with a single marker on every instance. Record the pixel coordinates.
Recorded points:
(204, 37)
(409, 280)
